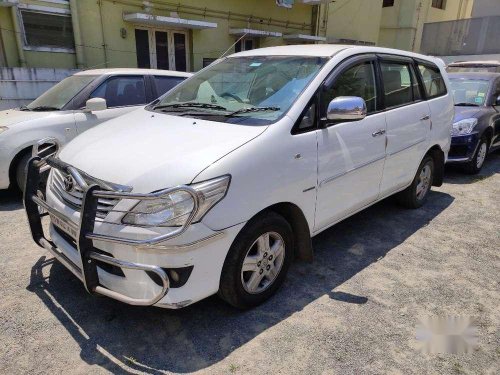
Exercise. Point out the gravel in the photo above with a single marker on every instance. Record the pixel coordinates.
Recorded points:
(353, 310)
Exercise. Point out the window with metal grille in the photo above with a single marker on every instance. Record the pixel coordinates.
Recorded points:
(47, 30)
(387, 3)
(440, 4)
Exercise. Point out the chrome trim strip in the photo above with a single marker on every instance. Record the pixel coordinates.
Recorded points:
(330, 179)
(407, 147)
(188, 246)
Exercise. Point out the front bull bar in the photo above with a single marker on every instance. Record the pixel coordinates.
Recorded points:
(33, 200)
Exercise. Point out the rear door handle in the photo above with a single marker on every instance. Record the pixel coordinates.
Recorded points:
(425, 118)
(378, 132)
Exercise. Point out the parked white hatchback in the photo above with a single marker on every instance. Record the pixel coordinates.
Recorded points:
(222, 183)
(74, 105)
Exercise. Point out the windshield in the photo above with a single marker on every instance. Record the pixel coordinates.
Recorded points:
(245, 90)
(469, 91)
(59, 95)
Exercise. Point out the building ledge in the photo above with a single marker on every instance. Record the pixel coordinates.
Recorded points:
(303, 38)
(255, 33)
(150, 19)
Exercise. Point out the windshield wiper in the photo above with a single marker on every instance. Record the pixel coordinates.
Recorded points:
(466, 104)
(191, 105)
(252, 109)
(44, 108)
(24, 108)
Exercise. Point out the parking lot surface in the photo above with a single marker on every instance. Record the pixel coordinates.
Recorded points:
(353, 310)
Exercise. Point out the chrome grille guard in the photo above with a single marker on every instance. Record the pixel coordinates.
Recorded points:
(33, 200)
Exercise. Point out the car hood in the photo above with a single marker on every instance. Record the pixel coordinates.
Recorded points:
(466, 112)
(150, 151)
(12, 117)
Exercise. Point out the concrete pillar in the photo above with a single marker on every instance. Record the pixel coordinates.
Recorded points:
(19, 37)
(75, 20)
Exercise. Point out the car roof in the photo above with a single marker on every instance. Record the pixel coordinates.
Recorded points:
(490, 63)
(475, 75)
(328, 50)
(127, 71)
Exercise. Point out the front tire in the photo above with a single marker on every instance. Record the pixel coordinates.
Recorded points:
(415, 195)
(257, 262)
(477, 162)
(22, 171)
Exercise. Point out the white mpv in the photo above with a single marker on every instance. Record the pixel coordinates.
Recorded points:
(220, 184)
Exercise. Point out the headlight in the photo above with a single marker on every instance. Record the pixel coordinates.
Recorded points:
(173, 209)
(464, 126)
(3, 128)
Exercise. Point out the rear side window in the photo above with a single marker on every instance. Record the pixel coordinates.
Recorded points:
(164, 84)
(400, 84)
(122, 91)
(433, 81)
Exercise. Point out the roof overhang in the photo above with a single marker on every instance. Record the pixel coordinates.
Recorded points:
(255, 33)
(152, 20)
(303, 38)
(8, 3)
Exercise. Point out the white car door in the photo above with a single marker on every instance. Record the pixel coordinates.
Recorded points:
(350, 154)
(408, 123)
(123, 94)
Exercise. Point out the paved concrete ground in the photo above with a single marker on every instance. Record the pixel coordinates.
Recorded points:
(353, 310)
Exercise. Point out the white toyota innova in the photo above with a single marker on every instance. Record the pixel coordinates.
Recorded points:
(217, 186)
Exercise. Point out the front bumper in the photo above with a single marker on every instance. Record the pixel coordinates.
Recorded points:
(463, 148)
(194, 246)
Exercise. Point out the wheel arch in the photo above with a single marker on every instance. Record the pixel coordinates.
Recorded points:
(488, 132)
(303, 249)
(437, 155)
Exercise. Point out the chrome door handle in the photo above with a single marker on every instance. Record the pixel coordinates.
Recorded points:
(378, 132)
(424, 118)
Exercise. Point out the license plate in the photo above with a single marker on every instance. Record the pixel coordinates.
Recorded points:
(64, 226)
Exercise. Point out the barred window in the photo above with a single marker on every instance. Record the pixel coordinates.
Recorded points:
(47, 30)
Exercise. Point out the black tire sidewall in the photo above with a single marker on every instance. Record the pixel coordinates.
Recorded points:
(231, 287)
(21, 171)
(427, 161)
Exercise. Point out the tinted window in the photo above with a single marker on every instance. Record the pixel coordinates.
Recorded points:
(433, 81)
(358, 80)
(397, 84)
(164, 84)
(122, 91)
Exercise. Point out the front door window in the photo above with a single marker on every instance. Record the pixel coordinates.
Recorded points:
(161, 49)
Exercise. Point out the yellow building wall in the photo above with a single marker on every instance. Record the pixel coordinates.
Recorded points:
(354, 19)
(402, 24)
(8, 39)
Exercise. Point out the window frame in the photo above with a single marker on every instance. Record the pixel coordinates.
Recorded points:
(341, 68)
(396, 59)
(98, 83)
(431, 65)
(47, 11)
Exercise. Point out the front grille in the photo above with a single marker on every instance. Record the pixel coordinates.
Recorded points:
(74, 196)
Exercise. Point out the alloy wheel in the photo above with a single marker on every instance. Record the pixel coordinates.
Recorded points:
(424, 182)
(481, 155)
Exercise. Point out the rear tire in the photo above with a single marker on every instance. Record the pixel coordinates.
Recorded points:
(257, 262)
(477, 162)
(22, 170)
(415, 195)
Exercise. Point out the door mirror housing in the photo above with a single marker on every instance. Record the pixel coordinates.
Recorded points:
(497, 100)
(346, 108)
(95, 104)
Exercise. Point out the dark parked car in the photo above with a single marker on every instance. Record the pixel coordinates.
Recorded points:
(476, 127)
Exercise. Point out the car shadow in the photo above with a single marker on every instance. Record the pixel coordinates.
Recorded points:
(455, 175)
(10, 200)
(153, 340)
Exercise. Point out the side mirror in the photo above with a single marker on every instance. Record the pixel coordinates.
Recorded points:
(95, 104)
(346, 108)
(497, 101)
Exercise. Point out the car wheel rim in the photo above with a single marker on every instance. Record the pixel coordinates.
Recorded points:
(481, 155)
(263, 262)
(424, 182)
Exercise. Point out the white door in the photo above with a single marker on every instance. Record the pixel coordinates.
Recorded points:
(408, 124)
(350, 154)
(162, 49)
(122, 93)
